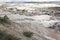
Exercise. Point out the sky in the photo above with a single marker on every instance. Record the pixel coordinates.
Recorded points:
(26, 0)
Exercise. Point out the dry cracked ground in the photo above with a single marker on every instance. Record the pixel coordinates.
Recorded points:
(43, 21)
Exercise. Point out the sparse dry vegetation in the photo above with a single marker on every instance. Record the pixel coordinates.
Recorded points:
(6, 36)
(28, 34)
(11, 9)
(5, 19)
(18, 10)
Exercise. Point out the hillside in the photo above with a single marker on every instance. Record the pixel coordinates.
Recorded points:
(30, 21)
(40, 32)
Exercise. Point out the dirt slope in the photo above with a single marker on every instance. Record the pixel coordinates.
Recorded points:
(40, 33)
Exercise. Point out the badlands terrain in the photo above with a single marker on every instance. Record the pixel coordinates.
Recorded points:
(42, 19)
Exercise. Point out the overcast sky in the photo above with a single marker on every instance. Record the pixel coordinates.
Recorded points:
(25, 0)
